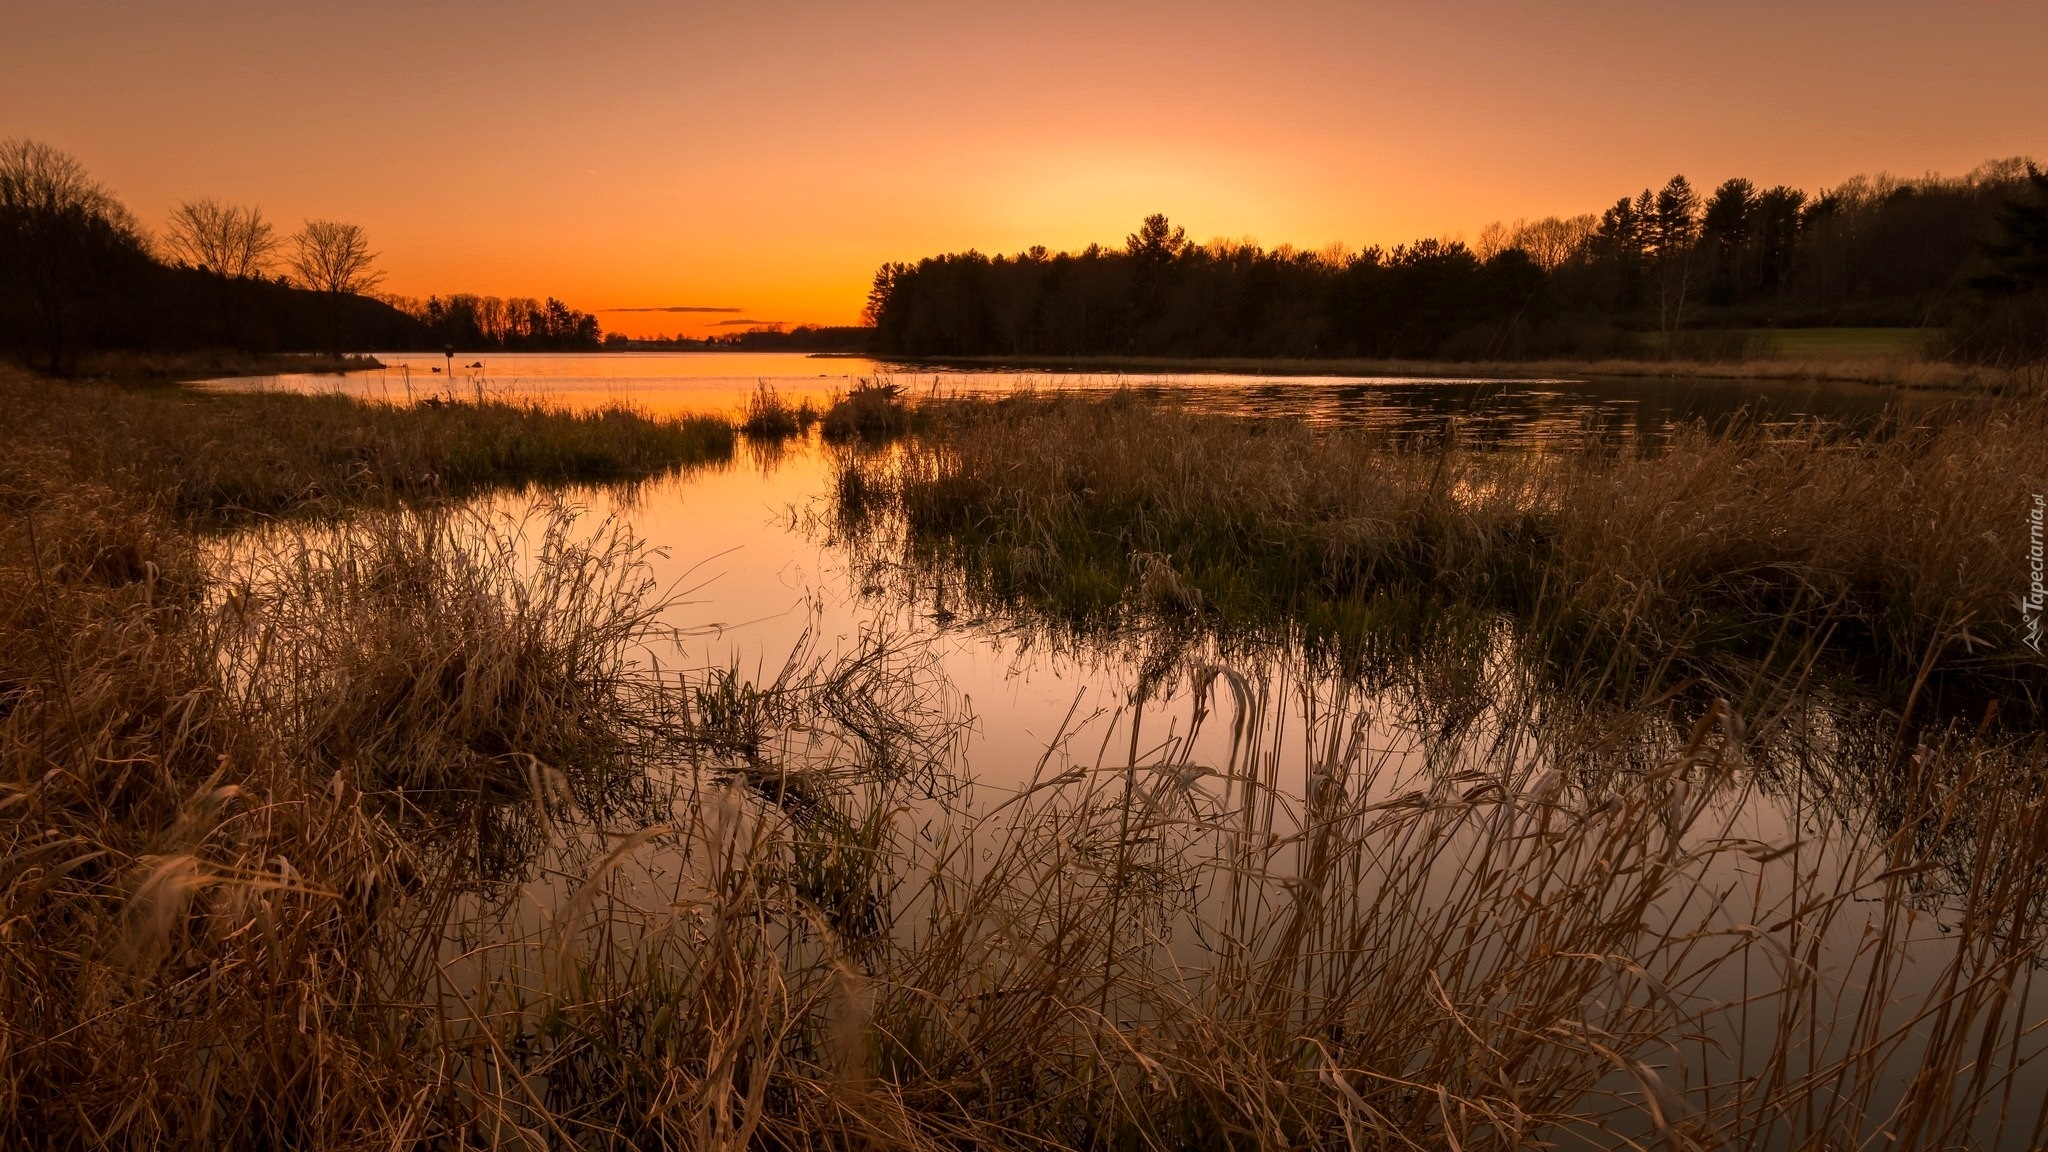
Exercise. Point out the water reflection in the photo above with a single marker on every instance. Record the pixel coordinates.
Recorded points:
(1537, 412)
(1495, 411)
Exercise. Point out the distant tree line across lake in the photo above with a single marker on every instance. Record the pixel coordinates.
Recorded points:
(1663, 271)
(763, 338)
(1658, 271)
(468, 323)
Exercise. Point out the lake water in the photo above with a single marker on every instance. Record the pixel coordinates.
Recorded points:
(762, 577)
(1513, 411)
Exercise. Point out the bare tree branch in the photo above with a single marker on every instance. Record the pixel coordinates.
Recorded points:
(328, 256)
(221, 238)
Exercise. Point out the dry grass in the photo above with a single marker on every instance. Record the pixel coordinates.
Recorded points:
(223, 458)
(770, 418)
(386, 834)
(231, 781)
(226, 812)
(872, 412)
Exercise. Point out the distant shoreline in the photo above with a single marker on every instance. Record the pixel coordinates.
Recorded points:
(1903, 373)
(1883, 371)
(190, 366)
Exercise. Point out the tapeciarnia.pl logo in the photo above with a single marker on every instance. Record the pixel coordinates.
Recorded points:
(2031, 605)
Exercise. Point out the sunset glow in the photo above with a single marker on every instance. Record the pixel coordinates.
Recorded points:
(767, 158)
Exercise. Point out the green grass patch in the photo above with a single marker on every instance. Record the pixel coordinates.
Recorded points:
(1842, 343)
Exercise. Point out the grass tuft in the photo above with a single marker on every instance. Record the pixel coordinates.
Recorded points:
(770, 418)
(874, 411)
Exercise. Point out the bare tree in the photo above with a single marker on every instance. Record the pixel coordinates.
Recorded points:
(1494, 239)
(62, 234)
(328, 256)
(1551, 242)
(222, 238)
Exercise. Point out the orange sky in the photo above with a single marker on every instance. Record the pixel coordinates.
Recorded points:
(767, 156)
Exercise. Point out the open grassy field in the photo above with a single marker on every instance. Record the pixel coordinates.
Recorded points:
(371, 827)
(1823, 344)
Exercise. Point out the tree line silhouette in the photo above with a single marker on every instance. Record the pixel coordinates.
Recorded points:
(77, 272)
(1662, 271)
(468, 322)
(760, 338)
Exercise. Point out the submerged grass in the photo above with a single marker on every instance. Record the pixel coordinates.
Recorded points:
(874, 411)
(384, 831)
(768, 417)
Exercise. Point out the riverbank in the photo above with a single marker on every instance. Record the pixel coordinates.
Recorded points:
(182, 367)
(221, 456)
(1895, 371)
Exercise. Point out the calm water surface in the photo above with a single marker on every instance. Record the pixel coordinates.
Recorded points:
(1498, 410)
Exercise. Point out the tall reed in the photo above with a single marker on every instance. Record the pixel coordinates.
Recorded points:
(770, 418)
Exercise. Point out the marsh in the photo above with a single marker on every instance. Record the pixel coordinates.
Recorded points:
(1098, 759)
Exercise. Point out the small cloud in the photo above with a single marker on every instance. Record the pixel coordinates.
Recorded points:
(673, 308)
(737, 323)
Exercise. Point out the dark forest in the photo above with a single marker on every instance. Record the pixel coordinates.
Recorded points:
(1665, 271)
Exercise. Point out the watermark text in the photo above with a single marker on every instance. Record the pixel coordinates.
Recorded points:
(2033, 602)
